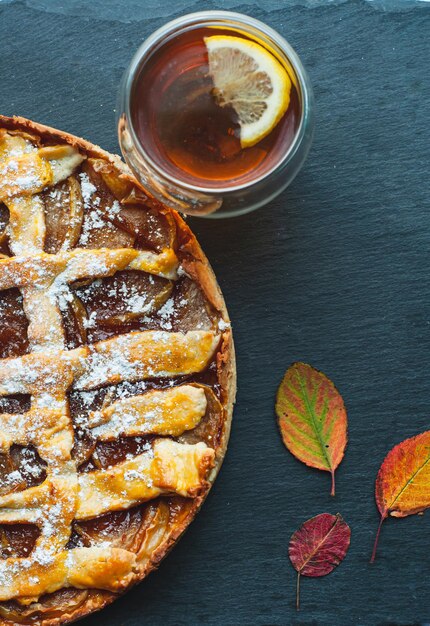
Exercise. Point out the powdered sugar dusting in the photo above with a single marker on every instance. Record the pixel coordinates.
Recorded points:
(49, 371)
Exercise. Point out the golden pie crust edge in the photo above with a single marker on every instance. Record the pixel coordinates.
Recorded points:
(197, 266)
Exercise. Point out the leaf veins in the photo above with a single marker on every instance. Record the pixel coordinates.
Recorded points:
(318, 546)
(312, 418)
(402, 485)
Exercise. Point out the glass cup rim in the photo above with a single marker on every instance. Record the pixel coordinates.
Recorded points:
(195, 18)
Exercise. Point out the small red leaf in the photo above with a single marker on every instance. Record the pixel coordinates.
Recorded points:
(318, 546)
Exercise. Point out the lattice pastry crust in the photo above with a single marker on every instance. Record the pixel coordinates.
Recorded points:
(117, 377)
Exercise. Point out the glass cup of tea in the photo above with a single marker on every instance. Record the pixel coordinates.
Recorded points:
(216, 114)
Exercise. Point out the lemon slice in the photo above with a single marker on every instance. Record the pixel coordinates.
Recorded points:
(250, 79)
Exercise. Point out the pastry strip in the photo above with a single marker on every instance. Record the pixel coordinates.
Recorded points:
(169, 467)
(85, 568)
(28, 173)
(109, 362)
(166, 354)
(172, 468)
(68, 266)
(166, 412)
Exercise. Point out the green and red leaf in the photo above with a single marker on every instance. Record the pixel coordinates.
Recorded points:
(312, 418)
(318, 546)
(403, 482)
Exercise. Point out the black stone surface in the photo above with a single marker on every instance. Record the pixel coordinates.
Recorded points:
(335, 272)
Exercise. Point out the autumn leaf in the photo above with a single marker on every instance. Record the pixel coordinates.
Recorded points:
(312, 418)
(318, 546)
(403, 482)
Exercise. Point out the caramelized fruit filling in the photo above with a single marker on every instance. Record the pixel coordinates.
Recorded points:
(110, 224)
(4, 220)
(17, 403)
(133, 301)
(20, 469)
(17, 539)
(13, 324)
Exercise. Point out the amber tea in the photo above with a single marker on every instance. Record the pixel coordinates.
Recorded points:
(187, 129)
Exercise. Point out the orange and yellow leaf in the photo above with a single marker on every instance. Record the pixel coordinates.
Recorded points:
(312, 418)
(403, 482)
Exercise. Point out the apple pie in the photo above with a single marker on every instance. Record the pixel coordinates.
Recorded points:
(117, 377)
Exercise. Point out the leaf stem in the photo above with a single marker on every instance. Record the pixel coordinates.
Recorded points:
(333, 484)
(298, 592)
(375, 545)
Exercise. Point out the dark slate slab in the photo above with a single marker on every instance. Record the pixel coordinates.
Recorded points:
(334, 272)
